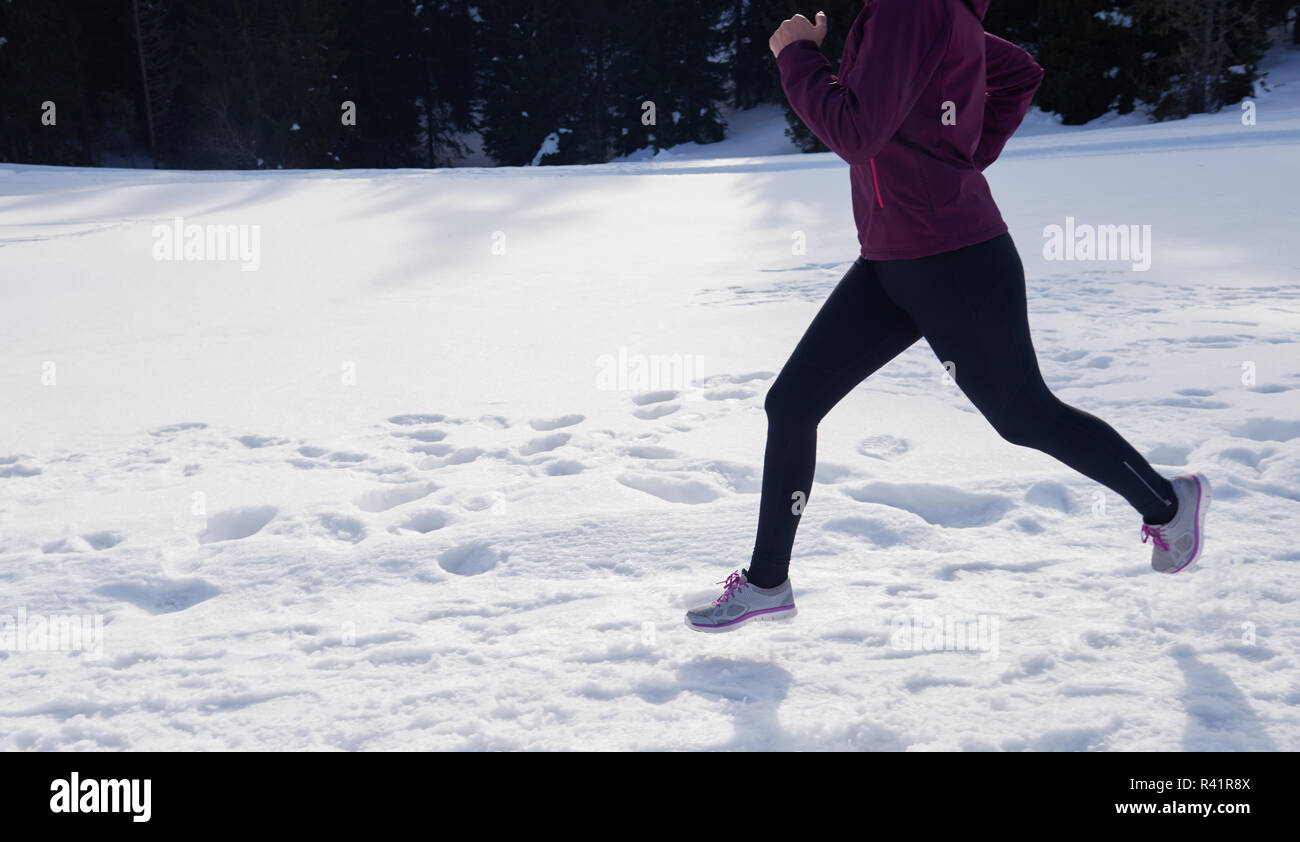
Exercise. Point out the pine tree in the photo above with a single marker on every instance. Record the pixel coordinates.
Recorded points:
(1088, 44)
(156, 46)
(1218, 45)
(753, 79)
(671, 57)
(262, 83)
(41, 62)
(533, 81)
(380, 76)
(446, 78)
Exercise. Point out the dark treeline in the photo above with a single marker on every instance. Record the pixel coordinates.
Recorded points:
(398, 83)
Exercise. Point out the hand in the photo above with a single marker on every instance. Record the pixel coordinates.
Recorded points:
(797, 28)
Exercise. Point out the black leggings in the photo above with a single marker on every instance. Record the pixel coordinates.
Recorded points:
(969, 304)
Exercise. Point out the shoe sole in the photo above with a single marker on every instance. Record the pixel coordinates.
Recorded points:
(1203, 497)
(770, 616)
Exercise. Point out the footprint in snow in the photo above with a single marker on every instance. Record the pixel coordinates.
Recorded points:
(734, 475)
(1217, 341)
(729, 394)
(745, 378)
(448, 456)
(650, 451)
(255, 442)
(319, 457)
(1168, 455)
(650, 413)
(917, 683)
(173, 429)
(416, 420)
(471, 559)
(547, 424)
(161, 596)
(1029, 526)
(494, 502)
(541, 444)
(383, 499)
(1050, 495)
(89, 542)
(1193, 403)
(10, 468)
(342, 527)
(422, 522)
(883, 446)
(941, 505)
(673, 489)
(235, 524)
(429, 434)
(874, 530)
(654, 397)
(1267, 429)
(1247, 456)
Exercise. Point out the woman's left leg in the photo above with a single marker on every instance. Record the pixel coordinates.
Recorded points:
(970, 305)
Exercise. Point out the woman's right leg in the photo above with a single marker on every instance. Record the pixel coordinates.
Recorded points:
(857, 331)
(971, 304)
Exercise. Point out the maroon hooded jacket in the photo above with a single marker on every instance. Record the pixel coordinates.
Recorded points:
(924, 100)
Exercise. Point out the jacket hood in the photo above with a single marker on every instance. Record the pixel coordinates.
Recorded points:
(979, 7)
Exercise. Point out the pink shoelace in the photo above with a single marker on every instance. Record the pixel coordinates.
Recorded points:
(1156, 534)
(733, 583)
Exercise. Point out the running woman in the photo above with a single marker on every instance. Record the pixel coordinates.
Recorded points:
(923, 102)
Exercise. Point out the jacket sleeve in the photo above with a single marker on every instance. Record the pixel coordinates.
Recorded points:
(902, 44)
(1012, 79)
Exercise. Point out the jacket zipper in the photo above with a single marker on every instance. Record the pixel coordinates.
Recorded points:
(876, 183)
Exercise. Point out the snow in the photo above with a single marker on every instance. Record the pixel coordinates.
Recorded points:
(1115, 18)
(760, 131)
(550, 146)
(376, 494)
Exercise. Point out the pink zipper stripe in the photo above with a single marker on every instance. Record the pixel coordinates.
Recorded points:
(876, 183)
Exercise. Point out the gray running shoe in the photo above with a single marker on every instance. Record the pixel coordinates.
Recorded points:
(741, 602)
(1179, 542)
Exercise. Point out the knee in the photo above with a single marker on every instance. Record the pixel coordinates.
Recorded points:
(1019, 431)
(1030, 419)
(784, 403)
(778, 401)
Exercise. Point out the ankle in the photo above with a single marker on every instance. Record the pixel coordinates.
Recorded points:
(1162, 518)
(764, 580)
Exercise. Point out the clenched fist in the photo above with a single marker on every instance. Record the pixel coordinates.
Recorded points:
(797, 28)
